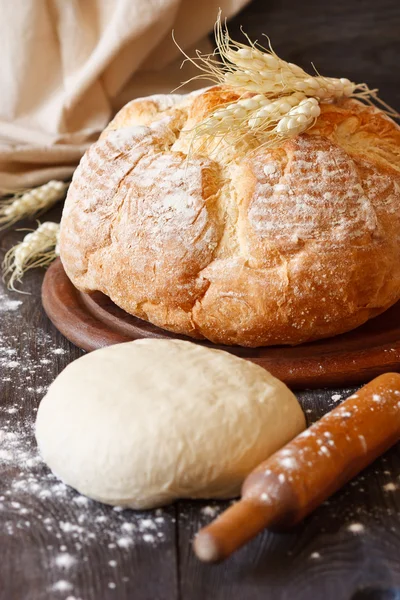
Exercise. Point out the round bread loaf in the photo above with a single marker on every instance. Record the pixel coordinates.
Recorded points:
(271, 246)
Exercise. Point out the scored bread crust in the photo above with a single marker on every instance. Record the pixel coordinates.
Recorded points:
(275, 246)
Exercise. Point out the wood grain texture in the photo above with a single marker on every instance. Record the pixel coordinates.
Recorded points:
(92, 321)
(356, 39)
(363, 566)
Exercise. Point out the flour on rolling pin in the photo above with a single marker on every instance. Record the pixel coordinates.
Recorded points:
(305, 472)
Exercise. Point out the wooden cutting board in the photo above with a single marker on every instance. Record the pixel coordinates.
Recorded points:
(92, 321)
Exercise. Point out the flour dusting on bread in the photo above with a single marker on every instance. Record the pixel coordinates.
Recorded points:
(277, 246)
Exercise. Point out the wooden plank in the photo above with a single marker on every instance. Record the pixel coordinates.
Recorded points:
(55, 543)
(343, 38)
(351, 543)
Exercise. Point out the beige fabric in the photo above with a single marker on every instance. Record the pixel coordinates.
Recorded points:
(67, 65)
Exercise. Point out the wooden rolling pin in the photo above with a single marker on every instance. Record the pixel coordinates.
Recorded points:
(296, 479)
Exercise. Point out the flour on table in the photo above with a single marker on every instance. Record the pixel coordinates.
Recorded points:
(62, 586)
(356, 528)
(25, 482)
(33, 500)
(64, 560)
(8, 304)
(210, 511)
(390, 487)
(24, 477)
(121, 529)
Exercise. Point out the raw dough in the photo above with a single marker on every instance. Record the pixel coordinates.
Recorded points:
(143, 423)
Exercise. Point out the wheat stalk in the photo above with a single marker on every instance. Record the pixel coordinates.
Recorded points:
(38, 249)
(284, 117)
(31, 202)
(285, 98)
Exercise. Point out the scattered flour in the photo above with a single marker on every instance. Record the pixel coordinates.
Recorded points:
(145, 524)
(356, 528)
(124, 542)
(288, 462)
(62, 586)
(7, 304)
(390, 487)
(85, 523)
(64, 560)
(129, 527)
(210, 511)
(81, 500)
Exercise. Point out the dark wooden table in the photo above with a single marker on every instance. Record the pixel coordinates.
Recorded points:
(56, 544)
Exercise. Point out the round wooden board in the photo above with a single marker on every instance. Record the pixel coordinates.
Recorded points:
(92, 321)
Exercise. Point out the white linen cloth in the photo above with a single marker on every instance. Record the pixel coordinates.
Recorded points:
(66, 66)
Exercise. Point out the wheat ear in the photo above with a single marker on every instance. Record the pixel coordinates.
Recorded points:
(31, 202)
(285, 98)
(38, 249)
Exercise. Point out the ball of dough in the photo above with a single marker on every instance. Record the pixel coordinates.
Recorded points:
(143, 423)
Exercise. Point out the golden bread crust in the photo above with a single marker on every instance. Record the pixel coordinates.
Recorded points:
(280, 246)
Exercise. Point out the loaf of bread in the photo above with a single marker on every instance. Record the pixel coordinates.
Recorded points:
(270, 246)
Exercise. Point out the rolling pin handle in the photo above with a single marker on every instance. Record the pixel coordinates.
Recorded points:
(231, 530)
(291, 483)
